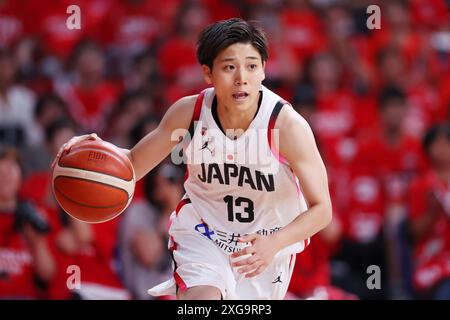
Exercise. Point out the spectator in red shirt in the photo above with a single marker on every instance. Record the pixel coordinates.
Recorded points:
(444, 89)
(89, 95)
(430, 218)
(26, 263)
(177, 56)
(398, 159)
(304, 32)
(362, 243)
(335, 105)
(311, 278)
(338, 114)
(396, 153)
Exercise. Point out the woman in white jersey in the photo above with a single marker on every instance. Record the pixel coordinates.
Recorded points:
(256, 186)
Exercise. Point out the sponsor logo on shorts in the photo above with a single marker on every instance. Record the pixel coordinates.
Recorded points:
(227, 241)
(204, 230)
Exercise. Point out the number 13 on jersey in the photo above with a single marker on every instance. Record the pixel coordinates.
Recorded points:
(241, 202)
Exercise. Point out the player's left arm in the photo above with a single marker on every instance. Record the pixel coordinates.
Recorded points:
(297, 144)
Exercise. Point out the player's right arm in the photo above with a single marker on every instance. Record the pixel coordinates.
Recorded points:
(156, 145)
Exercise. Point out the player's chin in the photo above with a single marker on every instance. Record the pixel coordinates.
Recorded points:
(241, 104)
(241, 100)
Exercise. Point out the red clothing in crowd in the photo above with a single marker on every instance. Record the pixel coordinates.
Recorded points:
(408, 43)
(425, 108)
(395, 165)
(340, 119)
(358, 191)
(304, 32)
(89, 107)
(221, 9)
(311, 269)
(180, 68)
(94, 261)
(51, 17)
(377, 175)
(12, 22)
(444, 90)
(311, 278)
(364, 211)
(134, 25)
(335, 117)
(431, 256)
(17, 280)
(178, 56)
(431, 14)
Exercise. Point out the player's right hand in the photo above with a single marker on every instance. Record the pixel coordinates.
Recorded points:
(69, 144)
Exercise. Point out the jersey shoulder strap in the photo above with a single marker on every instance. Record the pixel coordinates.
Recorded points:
(197, 112)
(273, 118)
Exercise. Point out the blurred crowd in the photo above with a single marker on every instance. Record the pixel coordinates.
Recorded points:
(377, 100)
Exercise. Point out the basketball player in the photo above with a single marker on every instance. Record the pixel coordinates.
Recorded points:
(235, 233)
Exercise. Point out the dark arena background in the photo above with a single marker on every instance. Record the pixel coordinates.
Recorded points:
(372, 78)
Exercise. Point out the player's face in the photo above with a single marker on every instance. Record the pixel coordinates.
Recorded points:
(236, 75)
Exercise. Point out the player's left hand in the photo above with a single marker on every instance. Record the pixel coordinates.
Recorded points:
(261, 252)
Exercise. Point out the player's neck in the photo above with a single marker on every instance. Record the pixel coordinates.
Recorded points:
(233, 119)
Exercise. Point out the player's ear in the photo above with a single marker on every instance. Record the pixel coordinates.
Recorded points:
(207, 74)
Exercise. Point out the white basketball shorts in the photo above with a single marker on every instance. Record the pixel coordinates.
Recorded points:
(199, 261)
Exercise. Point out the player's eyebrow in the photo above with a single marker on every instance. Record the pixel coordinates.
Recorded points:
(232, 59)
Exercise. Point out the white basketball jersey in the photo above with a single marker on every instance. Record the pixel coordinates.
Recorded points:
(240, 186)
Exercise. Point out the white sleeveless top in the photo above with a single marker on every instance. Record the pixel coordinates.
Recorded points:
(240, 186)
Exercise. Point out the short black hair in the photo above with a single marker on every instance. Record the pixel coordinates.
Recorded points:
(220, 35)
(436, 131)
(391, 93)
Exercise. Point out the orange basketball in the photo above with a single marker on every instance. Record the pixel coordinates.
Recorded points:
(94, 181)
